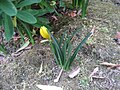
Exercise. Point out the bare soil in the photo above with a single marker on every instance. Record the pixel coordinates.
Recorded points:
(22, 72)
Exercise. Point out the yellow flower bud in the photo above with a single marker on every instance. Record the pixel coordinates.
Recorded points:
(44, 33)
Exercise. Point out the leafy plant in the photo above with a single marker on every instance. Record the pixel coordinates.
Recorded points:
(81, 4)
(62, 49)
(21, 16)
(12, 13)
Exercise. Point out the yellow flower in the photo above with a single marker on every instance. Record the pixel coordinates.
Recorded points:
(44, 33)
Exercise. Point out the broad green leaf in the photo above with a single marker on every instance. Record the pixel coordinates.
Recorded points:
(33, 12)
(28, 2)
(1, 19)
(1, 22)
(8, 7)
(48, 7)
(43, 12)
(26, 17)
(39, 24)
(1, 11)
(3, 49)
(8, 27)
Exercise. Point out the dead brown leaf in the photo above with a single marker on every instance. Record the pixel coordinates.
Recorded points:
(58, 77)
(72, 14)
(94, 71)
(54, 17)
(15, 38)
(110, 64)
(74, 73)
(117, 38)
(98, 77)
(117, 35)
(48, 87)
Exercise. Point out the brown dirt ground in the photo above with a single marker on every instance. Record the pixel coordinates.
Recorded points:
(21, 72)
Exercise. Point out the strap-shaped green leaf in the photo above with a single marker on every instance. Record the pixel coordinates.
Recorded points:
(64, 51)
(26, 17)
(8, 27)
(69, 50)
(76, 51)
(62, 38)
(58, 49)
(84, 7)
(28, 2)
(55, 52)
(19, 28)
(27, 31)
(8, 7)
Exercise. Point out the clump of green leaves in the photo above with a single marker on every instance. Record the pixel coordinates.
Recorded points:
(14, 14)
(62, 49)
(81, 4)
(21, 16)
